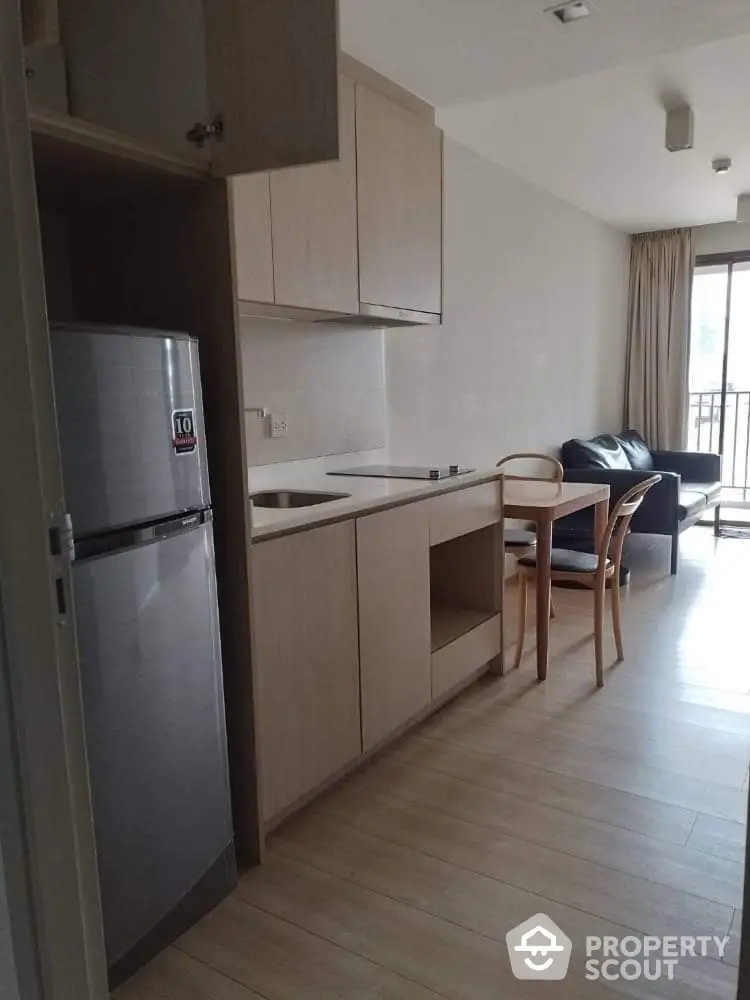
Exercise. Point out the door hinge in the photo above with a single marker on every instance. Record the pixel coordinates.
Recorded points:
(201, 132)
(62, 553)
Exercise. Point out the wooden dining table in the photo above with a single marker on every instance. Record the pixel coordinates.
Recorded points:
(543, 502)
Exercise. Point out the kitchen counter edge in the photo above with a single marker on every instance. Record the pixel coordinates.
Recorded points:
(271, 523)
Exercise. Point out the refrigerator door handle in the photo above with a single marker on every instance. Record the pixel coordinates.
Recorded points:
(128, 538)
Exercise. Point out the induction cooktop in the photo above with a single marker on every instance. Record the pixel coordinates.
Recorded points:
(404, 471)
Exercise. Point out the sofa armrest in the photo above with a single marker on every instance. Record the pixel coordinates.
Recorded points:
(693, 466)
(659, 510)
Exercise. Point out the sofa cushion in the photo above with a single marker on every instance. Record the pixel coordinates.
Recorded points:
(636, 449)
(602, 452)
(712, 491)
(691, 503)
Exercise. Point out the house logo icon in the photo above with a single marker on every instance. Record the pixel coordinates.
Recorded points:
(538, 949)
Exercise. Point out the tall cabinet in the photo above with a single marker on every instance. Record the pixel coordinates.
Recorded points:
(126, 219)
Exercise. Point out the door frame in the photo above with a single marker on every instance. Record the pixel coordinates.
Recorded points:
(41, 662)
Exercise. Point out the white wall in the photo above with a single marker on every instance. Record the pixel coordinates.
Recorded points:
(328, 380)
(532, 350)
(724, 237)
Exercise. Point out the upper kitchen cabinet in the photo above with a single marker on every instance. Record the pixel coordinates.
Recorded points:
(238, 85)
(314, 212)
(400, 195)
(250, 211)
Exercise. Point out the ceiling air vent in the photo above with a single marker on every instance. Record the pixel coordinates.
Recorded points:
(567, 13)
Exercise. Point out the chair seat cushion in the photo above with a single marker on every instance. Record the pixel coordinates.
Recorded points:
(567, 561)
(691, 503)
(711, 491)
(519, 538)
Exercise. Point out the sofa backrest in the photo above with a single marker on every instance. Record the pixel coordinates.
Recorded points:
(607, 451)
(636, 449)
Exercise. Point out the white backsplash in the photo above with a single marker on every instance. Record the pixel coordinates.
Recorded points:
(328, 380)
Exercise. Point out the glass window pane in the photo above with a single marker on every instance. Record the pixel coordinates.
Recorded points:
(707, 332)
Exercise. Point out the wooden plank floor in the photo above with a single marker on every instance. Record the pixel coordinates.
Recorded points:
(615, 812)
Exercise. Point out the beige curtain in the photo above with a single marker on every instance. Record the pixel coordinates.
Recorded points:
(661, 277)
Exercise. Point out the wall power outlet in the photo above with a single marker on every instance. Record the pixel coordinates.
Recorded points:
(279, 425)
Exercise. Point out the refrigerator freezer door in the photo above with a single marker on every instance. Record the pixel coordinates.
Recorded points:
(148, 636)
(131, 425)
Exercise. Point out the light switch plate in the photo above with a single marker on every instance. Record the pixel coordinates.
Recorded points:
(279, 425)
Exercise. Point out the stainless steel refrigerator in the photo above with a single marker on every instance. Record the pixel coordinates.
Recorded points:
(136, 485)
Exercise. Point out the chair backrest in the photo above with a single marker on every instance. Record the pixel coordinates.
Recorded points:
(620, 518)
(557, 470)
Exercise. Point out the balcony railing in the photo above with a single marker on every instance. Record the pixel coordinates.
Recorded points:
(704, 426)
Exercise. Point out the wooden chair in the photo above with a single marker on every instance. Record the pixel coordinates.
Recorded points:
(520, 540)
(591, 569)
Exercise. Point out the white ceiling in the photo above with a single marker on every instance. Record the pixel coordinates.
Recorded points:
(598, 141)
(453, 51)
(578, 110)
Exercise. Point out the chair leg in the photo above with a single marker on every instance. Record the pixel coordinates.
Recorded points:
(552, 612)
(675, 552)
(599, 631)
(523, 600)
(717, 521)
(616, 614)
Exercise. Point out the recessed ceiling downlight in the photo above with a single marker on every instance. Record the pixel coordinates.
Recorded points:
(567, 13)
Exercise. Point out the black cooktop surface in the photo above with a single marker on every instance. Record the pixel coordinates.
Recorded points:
(404, 471)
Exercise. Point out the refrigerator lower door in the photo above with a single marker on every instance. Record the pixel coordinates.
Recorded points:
(148, 633)
(130, 414)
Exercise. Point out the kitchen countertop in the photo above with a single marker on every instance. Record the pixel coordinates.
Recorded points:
(366, 495)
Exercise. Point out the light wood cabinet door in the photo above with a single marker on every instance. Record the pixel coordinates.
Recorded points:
(250, 208)
(314, 213)
(262, 75)
(272, 75)
(306, 661)
(399, 183)
(394, 619)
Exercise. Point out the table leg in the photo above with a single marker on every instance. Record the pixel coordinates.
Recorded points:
(497, 665)
(543, 594)
(601, 516)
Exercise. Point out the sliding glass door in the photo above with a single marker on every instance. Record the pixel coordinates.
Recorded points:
(719, 416)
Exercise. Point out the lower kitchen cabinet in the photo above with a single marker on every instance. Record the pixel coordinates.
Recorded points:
(306, 661)
(394, 619)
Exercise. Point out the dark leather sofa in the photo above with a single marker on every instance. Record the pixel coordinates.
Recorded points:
(690, 484)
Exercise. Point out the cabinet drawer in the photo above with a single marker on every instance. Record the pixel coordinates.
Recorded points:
(463, 511)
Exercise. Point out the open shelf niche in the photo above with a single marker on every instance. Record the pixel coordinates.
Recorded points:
(466, 575)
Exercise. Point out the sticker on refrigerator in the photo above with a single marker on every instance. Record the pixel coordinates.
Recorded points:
(184, 440)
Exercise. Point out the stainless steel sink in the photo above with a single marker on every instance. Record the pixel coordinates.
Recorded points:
(287, 499)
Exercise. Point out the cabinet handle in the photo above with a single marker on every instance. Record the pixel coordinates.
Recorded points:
(202, 131)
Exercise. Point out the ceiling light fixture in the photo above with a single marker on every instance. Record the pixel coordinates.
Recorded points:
(567, 13)
(680, 130)
(721, 165)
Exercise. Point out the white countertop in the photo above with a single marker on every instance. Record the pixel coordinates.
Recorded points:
(365, 495)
